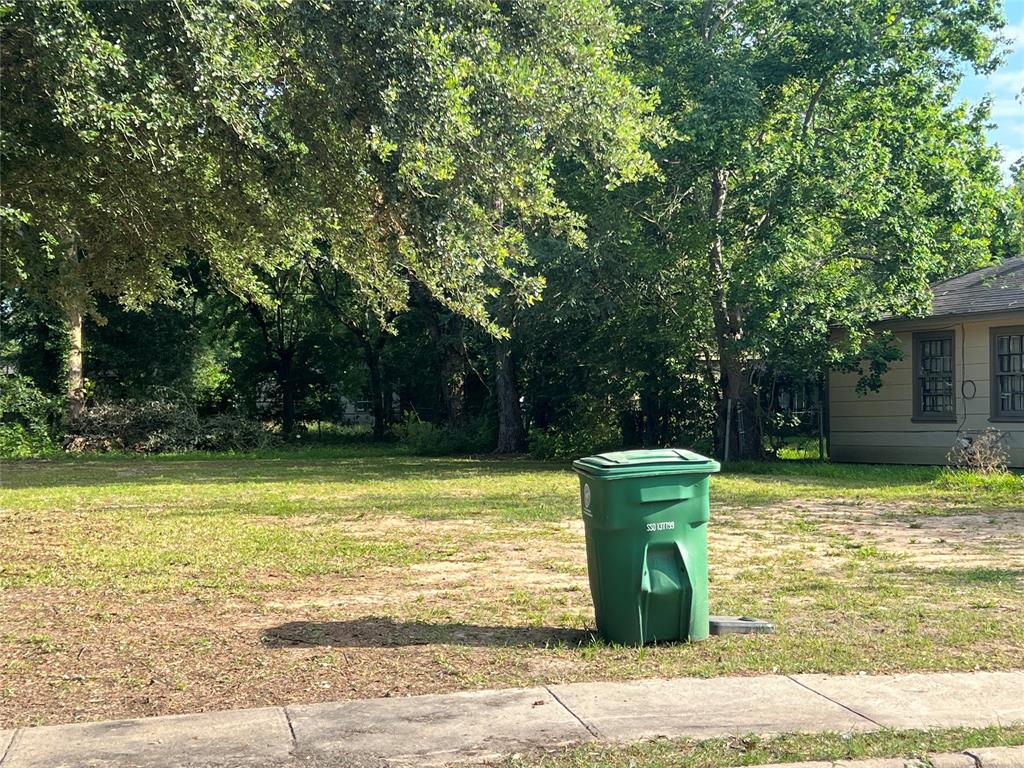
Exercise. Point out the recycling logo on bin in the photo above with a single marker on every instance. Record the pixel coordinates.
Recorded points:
(586, 500)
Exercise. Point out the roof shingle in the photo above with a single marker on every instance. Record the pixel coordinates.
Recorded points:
(993, 289)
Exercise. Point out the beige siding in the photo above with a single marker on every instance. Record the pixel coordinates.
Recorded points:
(878, 427)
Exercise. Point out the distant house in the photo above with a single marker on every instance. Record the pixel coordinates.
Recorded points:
(361, 411)
(962, 371)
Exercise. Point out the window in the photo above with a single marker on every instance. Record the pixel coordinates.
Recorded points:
(934, 365)
(1008, 374)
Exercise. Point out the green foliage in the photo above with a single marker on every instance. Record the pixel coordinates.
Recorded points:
(410, 142)
(1009, 239)
(244, 199)
(26, 415)
(106, 177)
(211, 379)
(588, 426)
(424, 438)
(796, 449)
(233, 433)
(135, 354)
(818, 172)
(223, 121)
(162, 426)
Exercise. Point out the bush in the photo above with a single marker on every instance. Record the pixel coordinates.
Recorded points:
(332, 433)
(144, 426)
(591, 433)
(162, 426)
(983, 452)
(424, 438)
(230, 432)
(25, 417)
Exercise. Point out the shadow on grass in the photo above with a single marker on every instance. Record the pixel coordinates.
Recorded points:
(378, 632)
(37, 473)
(383, 464)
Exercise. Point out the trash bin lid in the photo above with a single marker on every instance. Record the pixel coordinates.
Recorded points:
(660, 461)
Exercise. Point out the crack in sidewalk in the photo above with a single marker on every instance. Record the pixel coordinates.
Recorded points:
(592, 730)
(291, 729)
(10, 746)
(838, 703)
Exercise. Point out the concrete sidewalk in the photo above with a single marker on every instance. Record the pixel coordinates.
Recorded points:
(480, 725)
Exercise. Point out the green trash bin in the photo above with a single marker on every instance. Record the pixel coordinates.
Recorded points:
(645, 514)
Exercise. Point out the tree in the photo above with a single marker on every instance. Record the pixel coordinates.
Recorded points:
(416, 138)
(291, 325)
(1009, 240)
(368, 325)
(131, 132)
(462, 163)
(820, 172)
(447, 331)
(614, 354)
(480, 101)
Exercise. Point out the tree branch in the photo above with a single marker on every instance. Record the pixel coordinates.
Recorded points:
(813, 103)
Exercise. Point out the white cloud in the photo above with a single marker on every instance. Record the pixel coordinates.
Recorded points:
(1013, 32)
(1009, 157)
(1010, 80)
(1008, 107)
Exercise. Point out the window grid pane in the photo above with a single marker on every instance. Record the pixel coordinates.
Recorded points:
(935, 376)
(1010, 374)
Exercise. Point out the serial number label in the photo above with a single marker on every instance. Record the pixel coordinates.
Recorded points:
(667, 526)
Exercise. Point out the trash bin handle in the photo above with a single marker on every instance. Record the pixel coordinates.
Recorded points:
(665, 493)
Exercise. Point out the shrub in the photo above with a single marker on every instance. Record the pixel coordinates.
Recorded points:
(231, 432)
(162, 426)
(592, 433)
(984, 452)
(144, 426)
(25, 417)
(332, 433)
(427, 439)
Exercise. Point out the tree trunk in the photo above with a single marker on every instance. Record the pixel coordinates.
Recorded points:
(745, 438)
(75, 372)
(450, 351)
(286, 381)
(511, 433)
(734, 379)
(631, 431)
(650, 414)
(453, 385)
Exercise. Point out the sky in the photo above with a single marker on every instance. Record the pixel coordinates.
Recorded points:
(1004, 86)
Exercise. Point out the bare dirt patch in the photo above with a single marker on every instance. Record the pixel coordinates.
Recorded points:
(477, 617)
(499, 604)
(986, 538)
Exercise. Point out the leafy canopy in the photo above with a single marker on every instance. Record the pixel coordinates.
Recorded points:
(416, 138)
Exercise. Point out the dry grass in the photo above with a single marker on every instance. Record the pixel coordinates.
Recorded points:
(915, 747)
(141, 587)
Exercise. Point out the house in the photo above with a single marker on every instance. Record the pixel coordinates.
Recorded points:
(360, 412)
(962, 371)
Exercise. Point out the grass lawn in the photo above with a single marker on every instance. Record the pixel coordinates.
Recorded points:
(763, 750)
(141, 586)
